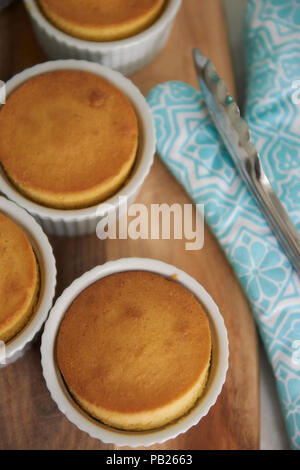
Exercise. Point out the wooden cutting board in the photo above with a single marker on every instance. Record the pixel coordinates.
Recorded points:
(29, 419)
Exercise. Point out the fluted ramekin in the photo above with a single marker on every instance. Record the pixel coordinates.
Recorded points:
(126, 56)
(16, 347)
(84, 221)
(96, 429)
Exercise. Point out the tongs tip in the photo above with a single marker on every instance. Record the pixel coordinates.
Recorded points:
(199, 59)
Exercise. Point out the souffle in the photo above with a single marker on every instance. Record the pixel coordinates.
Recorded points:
(95, 20)
(68, 139)
(134, 350)
(19, 279)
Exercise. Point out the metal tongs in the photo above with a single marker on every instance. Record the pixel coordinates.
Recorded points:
(236, 137)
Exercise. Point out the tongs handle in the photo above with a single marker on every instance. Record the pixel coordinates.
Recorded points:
(276, 215)
(236, 137)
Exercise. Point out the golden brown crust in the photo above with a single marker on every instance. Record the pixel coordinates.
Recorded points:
(19, 279)
(68, 139)
(102, 21)
(134, 342)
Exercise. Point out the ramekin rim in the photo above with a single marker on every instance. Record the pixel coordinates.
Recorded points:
(168, 14)
(149, 142)
(102, 432)
(36, 233)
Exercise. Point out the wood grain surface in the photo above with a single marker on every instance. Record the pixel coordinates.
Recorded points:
(29, 419)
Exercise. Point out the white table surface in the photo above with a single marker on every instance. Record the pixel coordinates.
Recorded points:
(272, 427)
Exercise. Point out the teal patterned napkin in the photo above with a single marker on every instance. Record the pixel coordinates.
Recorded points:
(189, 145)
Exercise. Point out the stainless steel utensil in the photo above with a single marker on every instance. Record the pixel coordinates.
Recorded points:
(236, 137)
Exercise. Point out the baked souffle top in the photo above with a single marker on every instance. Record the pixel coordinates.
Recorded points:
(19, 279)
(68, 138)
(106, 20)
(134, 350)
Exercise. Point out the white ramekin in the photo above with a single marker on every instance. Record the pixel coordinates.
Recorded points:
(83, 221)
(126, 56)
(93, 427)
(46, 261)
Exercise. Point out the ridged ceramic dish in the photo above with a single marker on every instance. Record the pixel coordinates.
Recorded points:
(96, 429)
(16, 347)
(126, 55)
(83, 221)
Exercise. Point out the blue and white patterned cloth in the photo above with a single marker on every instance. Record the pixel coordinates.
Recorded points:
(189, 145)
